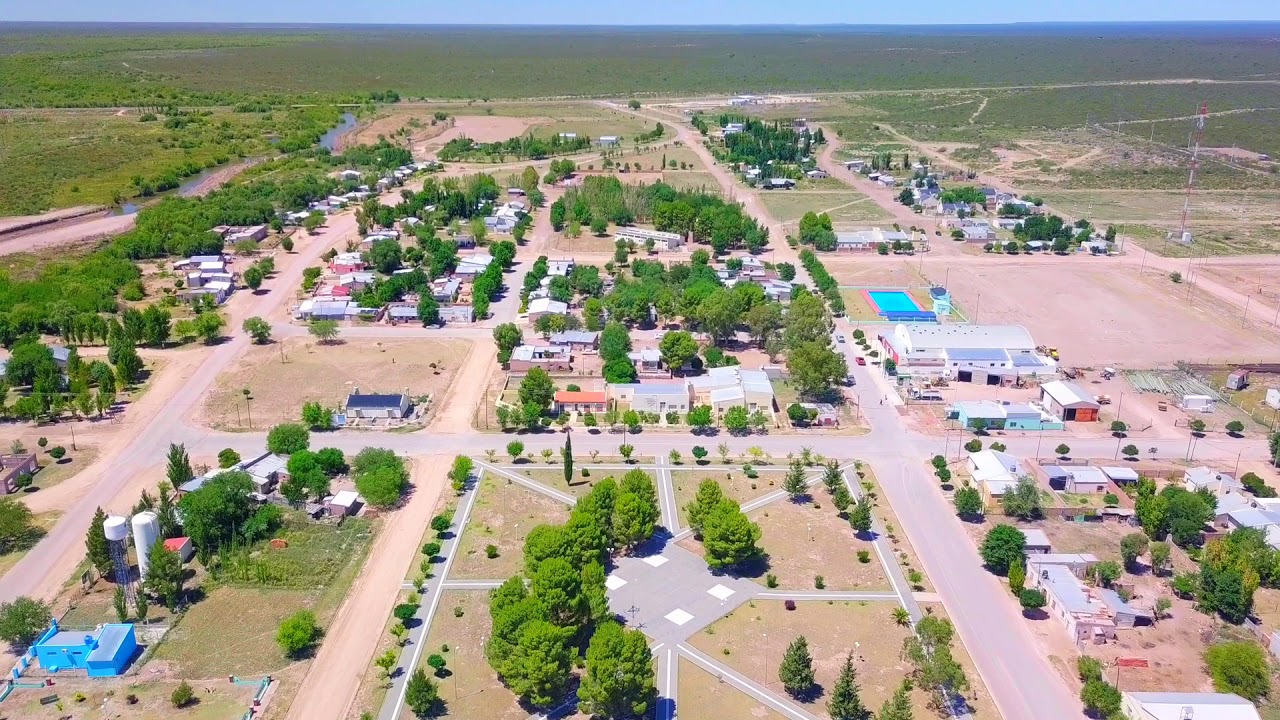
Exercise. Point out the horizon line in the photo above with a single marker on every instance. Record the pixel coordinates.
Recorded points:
(309, 23)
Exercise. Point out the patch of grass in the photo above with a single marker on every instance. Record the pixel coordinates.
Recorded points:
(42, 523)
(843, 207)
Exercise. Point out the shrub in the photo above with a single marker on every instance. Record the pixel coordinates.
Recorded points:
(182, 695)
(431, 549)
(491, 551)
(405, 611)
(57, 452)
(819, 582)
(771, 580)
(864, 556)
(297, 633)
(1240, 668)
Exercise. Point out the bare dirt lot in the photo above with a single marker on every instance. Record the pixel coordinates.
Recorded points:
(804, 542)
(504, 514)
(757, 634)
(702, 695)
(327, 374)
(1100, 315)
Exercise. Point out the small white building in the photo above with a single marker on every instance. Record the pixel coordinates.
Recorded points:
(1186, 706)
(1198, 403)
(662, 241)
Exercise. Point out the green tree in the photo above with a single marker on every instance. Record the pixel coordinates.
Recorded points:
(23, 621)
(540, 664)
(794, 482)
(615, 342)
(537, 389)
(636, 511)
(815, 367)
(1161, 556)
(253, 277)
(164, 575)
(515, 449)
(1062, 450)
(316, 416)
(1235, 427)
(1133, 546)
(897, 707)
(1130, 451)
(178, 468)
(288, 438)
(1017, 577)
(845, 703)
(428, 310)
(707, 498)
(298, 633)
(728, 536)
(699, 417)
(422, 696)
(1023, 501)
(508, 336)
(566, 459)
(860, 518)
(968, 502)
(796, 669)
(326, 331)
(208, 326)
(618, 681)
(96, 544)
(1101, 699)
(258, 329)
(936, 670)
(1240, 668)
(1004, 546)
(677, 348)
(1031, 599)
(736, 419)
(183, 695)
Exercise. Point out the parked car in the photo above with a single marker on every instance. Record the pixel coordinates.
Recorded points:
(840, 339)
(860, 360)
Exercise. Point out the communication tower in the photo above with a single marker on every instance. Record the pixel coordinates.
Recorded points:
(1197, 138)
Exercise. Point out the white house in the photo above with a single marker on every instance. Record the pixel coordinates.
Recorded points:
(662, 241)
(1186, 706)
(995, 472)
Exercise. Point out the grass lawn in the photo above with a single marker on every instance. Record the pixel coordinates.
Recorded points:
(848, 206)
(733, 482)
(41, 523)
(856, 306)
(504, 513)
(803, 542)
(327, 374)
(703, 695)
(687, 180)
(314, 572)
(52, 471)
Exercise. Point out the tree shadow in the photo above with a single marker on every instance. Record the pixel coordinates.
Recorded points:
(753, 567)
(655, 545)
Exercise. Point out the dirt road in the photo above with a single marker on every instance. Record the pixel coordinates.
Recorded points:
(66, 232)
(332, 680)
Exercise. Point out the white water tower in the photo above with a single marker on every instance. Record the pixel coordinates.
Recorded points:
(146, 529)
(116, 530)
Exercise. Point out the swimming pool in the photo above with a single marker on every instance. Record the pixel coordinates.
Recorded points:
(892, 301)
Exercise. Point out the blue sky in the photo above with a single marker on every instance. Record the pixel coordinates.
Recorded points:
(646, 12)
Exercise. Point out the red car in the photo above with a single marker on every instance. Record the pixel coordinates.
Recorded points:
(860, 360)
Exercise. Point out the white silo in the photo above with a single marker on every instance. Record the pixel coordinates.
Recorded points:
(146, 529)
(115, 528)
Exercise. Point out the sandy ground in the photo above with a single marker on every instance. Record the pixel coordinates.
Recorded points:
(332, 680)
(16, 221)
(454, 414)
(328, 374)
(66, 232)
(387, 125)
(480, 128)
(1097, 315)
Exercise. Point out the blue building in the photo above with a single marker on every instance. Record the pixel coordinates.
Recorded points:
(1003, 416)
(104, 652)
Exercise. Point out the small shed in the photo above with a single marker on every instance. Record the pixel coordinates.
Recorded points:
(1037, 541)
(182, 546)
(1069, 401)
(1238, 380)
(344, 503)
(1120, 475)
(1198, 403)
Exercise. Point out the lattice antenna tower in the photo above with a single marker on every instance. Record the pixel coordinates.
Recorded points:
(1197, 139)
(116, 529)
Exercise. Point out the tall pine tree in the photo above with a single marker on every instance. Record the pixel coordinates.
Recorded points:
(567, 455)
(844, 703)
(796, 670)
(794, 483)
(179, 469)
(96, 543)
(897, 707)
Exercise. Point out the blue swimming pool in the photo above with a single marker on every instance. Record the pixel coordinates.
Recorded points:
(892, 301)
